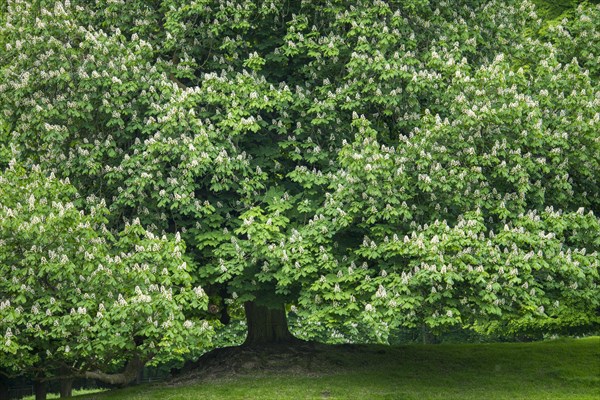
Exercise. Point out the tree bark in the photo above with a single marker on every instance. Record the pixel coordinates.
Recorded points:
(66, 382)
(140, 376)
(130, 374)
(66, 387)
(266, 325)
(40, 390)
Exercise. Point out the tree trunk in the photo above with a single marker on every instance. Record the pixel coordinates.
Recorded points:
(4, 393)
(66, 383)
(140, 376)
(66, 387)
(129, 375)
(266, 325)
(39, 387)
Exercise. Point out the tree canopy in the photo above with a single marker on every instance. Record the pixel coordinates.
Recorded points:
(78, 301)
(391, 163)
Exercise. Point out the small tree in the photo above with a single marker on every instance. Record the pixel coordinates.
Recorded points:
(77, 301)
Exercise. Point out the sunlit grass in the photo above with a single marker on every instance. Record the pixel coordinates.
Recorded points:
(76, 392)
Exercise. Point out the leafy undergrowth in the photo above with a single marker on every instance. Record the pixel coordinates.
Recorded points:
(562, 369)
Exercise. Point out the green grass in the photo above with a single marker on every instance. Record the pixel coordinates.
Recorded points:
(553, 370)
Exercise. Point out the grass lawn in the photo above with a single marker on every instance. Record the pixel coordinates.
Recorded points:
(553, 370)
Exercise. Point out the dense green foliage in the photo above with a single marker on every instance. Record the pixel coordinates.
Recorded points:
(372, 165)
(75, 298)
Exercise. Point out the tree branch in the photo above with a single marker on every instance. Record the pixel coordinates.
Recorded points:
(132, 369)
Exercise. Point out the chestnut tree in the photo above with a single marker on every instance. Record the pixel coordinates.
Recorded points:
(392, 163)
